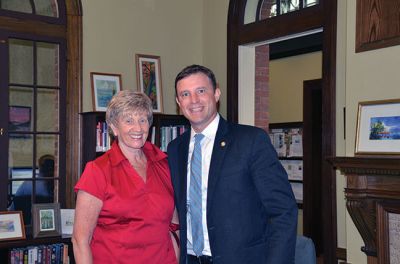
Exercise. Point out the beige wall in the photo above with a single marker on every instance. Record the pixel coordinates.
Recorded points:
(214, 43)
(115, 32)
(371, 75)
(286, 85)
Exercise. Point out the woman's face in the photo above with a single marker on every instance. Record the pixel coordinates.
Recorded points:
(132, 129)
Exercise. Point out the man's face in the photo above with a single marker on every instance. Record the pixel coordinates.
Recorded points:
(197, 100)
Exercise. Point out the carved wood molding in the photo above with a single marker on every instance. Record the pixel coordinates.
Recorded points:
(370, 181)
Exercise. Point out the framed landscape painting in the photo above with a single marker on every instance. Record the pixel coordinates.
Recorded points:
(378, 128)
(104, 87)
(11, 225)
(148, 76)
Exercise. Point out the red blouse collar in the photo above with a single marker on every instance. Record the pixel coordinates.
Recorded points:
(152, 152)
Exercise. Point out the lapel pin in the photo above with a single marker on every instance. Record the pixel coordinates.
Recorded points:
(223, 143)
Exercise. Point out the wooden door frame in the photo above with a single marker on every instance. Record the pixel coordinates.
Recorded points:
(323, 16)
(312, 140)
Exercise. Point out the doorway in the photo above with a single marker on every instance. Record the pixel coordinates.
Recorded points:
(322, 15)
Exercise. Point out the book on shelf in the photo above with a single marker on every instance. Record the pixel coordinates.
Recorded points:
(169, 133)
(103, 138)
(41, 254)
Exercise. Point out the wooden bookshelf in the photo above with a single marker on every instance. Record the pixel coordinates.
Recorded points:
(90, 120)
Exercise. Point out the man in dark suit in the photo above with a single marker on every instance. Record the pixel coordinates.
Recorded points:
(247, 214)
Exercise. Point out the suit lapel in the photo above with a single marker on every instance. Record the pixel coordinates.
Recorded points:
(182, 167)
(221, 144)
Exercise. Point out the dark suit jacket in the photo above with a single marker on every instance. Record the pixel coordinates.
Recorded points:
(251, 210)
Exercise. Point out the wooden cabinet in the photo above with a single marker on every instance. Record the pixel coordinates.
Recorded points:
(90, 122)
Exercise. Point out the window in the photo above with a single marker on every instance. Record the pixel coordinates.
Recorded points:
(263, 9)
(33, 95)
(36, 141)
(36, 7)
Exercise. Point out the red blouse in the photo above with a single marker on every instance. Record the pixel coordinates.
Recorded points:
(133, 225)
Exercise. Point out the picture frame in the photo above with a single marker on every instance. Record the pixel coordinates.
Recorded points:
(378, 128)
(19, 120)
(104, 87)
(67, 221)
(148, 77)
(46, 220)
(11, 225)
(388, 238)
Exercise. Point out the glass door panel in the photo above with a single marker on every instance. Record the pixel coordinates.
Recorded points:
(19, 6)
(47, 109)
(34, 124)
(21, 61)
(46, 7)
(47, 60)
(20, 154)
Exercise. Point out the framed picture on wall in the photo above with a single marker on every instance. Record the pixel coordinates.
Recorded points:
(46, 219)
(104, 86)
(11, 225)
(148, 76)
(378, 128)
(19, 120)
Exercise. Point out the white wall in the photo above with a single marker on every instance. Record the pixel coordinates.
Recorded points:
(114, 31)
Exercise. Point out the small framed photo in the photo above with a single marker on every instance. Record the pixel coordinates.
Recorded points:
(104, 87)
(67, 221)
(148, 76)
(11, 225)
(46, 220)
(378, 128)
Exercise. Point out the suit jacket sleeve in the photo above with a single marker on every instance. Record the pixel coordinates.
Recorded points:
(272, 184)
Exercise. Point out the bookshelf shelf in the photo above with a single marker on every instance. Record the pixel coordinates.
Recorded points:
(7, 246)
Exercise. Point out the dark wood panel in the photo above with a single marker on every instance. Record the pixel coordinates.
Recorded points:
(32, 27)
(74, 98)
(300, 21)
(312, 162)
(377, 24)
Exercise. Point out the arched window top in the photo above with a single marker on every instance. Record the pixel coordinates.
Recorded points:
(34, 9)
(262, 9)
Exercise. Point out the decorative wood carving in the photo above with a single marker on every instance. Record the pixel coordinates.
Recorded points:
(377, 24)
(369, 181)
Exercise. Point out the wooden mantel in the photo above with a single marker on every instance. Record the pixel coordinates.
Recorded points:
(369, 181)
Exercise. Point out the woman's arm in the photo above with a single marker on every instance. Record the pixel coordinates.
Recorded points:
(174, 232)
(86, 213)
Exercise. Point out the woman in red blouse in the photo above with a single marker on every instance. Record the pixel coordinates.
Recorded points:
(125, 207)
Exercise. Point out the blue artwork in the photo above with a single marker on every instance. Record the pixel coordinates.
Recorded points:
(105, 91)
(385, 128)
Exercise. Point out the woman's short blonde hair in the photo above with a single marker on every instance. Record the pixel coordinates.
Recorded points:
(127, 102)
